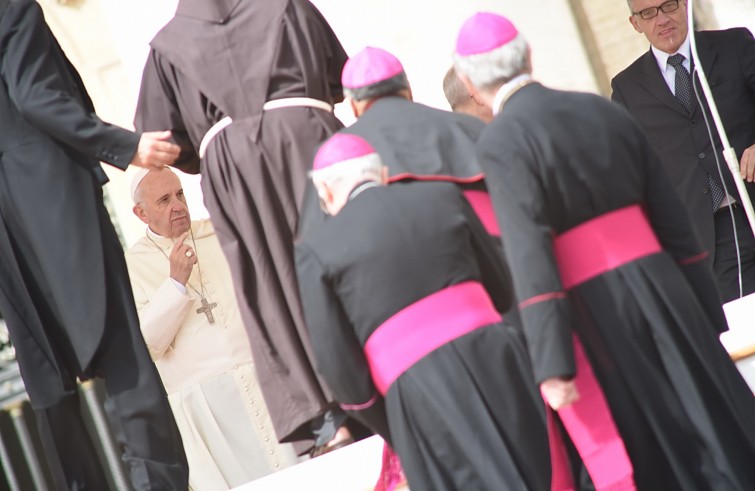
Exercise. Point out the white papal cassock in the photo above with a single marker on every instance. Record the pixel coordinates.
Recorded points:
(207, 369)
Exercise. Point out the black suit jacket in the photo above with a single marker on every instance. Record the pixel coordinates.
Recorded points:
(680, 138)
(53, 224)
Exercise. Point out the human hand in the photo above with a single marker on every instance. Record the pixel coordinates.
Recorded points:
(747, 164)
(558, 392)
(342, 438)
(182, 260)
(154, 151)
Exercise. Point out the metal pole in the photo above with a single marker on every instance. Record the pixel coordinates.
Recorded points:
(106, 439)
(10, 473)
(27, 446)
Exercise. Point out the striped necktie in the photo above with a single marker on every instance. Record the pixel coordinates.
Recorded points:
(683, 93)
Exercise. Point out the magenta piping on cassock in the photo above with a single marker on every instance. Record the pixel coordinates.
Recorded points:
(544, 297)
(425, 325)
(362, 406)
(694, 259)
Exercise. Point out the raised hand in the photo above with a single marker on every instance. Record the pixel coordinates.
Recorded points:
(182, 260)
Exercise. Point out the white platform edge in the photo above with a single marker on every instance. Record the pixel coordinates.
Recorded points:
(355, 467)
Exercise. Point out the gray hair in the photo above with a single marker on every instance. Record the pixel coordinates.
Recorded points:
(388, 86)
(368, 166)
(496, 67)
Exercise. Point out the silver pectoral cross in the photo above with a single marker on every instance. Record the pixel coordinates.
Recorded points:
(206, 309)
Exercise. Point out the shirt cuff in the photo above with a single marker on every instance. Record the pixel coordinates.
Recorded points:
(181, 288)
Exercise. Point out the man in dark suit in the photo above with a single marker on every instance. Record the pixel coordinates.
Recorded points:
(64, 287)
(657, 91)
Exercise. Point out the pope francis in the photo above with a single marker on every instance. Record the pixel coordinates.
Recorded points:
(191, 324)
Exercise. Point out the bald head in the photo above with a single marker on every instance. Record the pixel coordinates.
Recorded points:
(461, 101)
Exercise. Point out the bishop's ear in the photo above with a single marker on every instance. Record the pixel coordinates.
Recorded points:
(471, 89)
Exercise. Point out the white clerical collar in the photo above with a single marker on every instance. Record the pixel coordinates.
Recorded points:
(155, 235)
(358, 190)
(158, 239)
(507, 89)
(662, 57)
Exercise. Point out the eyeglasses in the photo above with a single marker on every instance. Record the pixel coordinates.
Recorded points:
(665, 7)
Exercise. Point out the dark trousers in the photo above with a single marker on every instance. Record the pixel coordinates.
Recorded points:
(725, 264)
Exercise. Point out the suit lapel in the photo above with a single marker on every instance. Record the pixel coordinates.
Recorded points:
(655, 84)
(707, 59)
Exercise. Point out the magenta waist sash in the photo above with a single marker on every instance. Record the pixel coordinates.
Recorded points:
(425, 325)
(483, 207)
(582, 253)
(602, 244)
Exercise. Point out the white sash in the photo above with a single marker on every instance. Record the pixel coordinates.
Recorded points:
(276, 104)
(212, 133)
(297, 101)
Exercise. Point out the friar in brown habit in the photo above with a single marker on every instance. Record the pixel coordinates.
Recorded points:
(247, 88)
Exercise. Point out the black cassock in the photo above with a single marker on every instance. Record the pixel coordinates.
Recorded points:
(554, 160)
(466, 416)
(415, 142)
